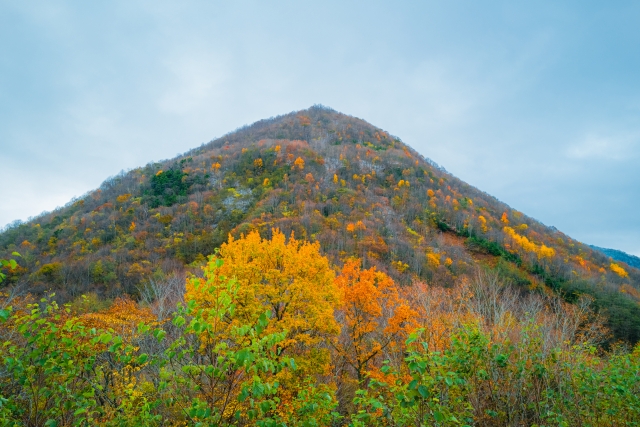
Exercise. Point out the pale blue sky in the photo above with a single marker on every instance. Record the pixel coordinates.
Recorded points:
(536, 103)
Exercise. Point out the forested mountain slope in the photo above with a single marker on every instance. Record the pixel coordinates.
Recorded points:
(325, 177)
(617, 255)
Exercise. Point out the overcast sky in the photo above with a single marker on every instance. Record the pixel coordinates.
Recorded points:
(536, 103)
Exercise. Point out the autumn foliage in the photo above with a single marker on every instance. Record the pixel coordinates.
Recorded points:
(291, 282)
(273, 334)
(376, 319)
(330, 179)
(309, 269)
(289, 278)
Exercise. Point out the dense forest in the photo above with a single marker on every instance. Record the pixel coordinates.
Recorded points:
(324, 177)
(274, 334)
(310, 269)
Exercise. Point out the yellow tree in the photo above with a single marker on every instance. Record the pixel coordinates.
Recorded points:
(618, 270)
(287, 277)
(483, 223)
(299, 163)
(291, 281)
(505, 218)
(542, 251)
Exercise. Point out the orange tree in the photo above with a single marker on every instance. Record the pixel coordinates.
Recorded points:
(375, 317)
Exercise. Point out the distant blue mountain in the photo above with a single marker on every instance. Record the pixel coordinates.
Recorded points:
(631, 260)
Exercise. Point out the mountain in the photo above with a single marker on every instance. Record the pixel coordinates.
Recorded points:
(617, 255)
(326, 177)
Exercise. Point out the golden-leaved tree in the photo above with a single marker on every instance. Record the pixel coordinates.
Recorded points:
(291, 281)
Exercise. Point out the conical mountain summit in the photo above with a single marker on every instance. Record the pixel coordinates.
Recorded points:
(322, 176)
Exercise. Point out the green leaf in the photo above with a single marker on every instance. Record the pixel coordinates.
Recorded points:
(265, 406)
(143, 328)
(438, 416)
(159, 334)
(424, 391)
(179, 321)
(242, 356)
(491, 413)
(5, 313)
(411, 339)
(263, 321)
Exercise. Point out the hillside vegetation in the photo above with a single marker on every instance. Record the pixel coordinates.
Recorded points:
(324, 177)
(309, 270)
(290, 341)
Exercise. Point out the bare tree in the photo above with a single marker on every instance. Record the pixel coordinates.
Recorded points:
(162, 295)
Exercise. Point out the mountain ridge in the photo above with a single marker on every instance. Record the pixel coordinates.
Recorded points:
(619, 255)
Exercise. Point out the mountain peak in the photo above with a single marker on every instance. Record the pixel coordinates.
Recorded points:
(328, 178)
(306, 124)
